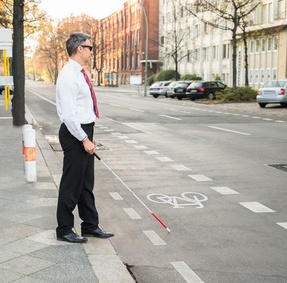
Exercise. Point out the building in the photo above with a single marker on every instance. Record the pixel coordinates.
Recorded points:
(121, 43)
(205, 50)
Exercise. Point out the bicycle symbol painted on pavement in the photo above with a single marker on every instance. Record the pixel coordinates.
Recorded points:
(185, 199)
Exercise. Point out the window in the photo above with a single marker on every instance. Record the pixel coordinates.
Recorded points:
(263, 44)
(214, 52)
(225, 51)
(251, 76)
(256, 76)
(162, 40)
(204, 54)
(251, 46)
(269, 44)
(268, 75)
(195, 55)
(257, 45)
(262, 75)
(275, 41)
(274, 74)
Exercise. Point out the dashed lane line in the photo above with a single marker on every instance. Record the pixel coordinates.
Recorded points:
(116, 196)
(225, 190)
(170, 117)
(154, 238)
(231, 131)
(151, 152)
(283, 224)
(131, 141)
(164, 159)
(132, 213)
(180, 167)
(188, 274)
(256, 207)
(200, 178)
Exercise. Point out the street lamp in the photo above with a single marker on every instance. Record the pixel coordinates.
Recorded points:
(146, 45)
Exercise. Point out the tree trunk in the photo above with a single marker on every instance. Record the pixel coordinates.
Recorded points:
(18, 101)
(245, 58)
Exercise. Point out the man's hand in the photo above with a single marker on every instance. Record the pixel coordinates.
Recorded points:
(89, 146)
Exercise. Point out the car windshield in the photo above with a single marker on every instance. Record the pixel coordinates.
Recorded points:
(182, 84)
(275, 84)
(195, 85)
(156, 85)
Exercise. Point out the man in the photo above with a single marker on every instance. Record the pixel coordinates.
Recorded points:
(77, 110)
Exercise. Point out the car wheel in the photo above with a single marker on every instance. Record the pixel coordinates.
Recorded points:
(192, 99)
(283, 104)
(155, 96)
(211, 96)
(2, 92)
(262, 105)
(179, 98)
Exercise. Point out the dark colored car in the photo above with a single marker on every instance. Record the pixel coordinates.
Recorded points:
(204, 89)
(159, 88)
(180, 90)
(2, 90)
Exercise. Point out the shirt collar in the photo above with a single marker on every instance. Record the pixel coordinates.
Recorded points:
(75, 64)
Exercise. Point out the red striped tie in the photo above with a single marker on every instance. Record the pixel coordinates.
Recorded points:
(92, 93)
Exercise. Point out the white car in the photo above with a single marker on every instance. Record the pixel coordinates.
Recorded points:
(273, 92)
(159, 88)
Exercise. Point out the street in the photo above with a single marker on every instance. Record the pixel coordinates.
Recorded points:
(215, 175)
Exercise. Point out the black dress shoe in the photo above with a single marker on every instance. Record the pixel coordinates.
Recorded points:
(99, 233)
(72, 238)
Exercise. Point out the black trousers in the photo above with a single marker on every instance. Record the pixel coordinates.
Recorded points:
(77, 183)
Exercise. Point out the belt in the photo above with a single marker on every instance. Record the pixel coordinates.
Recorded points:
(89, 125)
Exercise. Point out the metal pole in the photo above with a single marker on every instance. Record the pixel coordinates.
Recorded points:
(146, 46)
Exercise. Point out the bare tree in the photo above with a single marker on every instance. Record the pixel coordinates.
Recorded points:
(224, 15)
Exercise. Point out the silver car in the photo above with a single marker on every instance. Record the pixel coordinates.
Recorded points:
(159, 88)
(273, 92)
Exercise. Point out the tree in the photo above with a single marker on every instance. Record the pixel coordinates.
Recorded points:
(18, 101)
(227, 16)
(173, 41)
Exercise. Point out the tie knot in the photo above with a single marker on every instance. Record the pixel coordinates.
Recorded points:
(83, 71)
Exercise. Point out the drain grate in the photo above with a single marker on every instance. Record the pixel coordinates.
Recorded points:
(282, 167)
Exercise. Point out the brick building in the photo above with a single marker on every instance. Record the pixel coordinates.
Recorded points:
(121, 43)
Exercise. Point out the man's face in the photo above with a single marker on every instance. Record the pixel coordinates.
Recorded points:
(86, 50)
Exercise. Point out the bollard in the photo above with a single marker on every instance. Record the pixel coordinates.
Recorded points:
(29, 138)
(24, 128)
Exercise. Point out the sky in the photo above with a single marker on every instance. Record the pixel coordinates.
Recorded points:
(59, 9)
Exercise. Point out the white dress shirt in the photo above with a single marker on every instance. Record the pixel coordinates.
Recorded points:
(73, 99)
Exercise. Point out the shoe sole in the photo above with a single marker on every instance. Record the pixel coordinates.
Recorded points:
(72, 242)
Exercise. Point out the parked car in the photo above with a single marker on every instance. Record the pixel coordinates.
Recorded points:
(2, 90)
(170, 88)
(159, 88)
(180, 90)
(273, 92)
(204, 89)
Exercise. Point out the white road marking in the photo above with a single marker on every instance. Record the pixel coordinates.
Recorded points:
(103, 127)
(225, 190)
(138, 110)
(170, 117)
(116, 196)
(116, 105)
(200, 178)
(283, 224)
(164, 159)
(180, 167)
(231, 131)
(151, 152)
(255, 117)
(186, 272)
(256, 207)
(116, 134)
(131, 141)
(267, 119)
(140, 147)
(279, 121)
(5, 118)
(154, 238)
(48, 100)
(123, 137)
(132, 213)
(109, 130)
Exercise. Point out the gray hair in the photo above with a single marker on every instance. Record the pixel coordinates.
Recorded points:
(75, 40)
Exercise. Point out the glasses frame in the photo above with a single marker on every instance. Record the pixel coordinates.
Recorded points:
(88, 46)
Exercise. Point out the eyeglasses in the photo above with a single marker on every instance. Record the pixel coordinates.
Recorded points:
(88, 46)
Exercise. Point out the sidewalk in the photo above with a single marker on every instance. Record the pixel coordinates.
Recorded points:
(29, 251)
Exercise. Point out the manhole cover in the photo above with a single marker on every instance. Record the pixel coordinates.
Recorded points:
(282, 167)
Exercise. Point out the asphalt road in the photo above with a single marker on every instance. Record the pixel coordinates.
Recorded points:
(215, 175)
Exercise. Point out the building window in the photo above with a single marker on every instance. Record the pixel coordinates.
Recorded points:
(257, 42)
(256, 76)
(214, 52)
(262, 75)
(268, 75)
(251, 76)
(251, 46)
(195, 55)
(275, 43)
(263, 44)
(225, 51)
(269, 44)
(204, 54)
(162, 40)
(274, 74)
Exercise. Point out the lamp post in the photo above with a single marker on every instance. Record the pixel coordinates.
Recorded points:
(146, 45)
